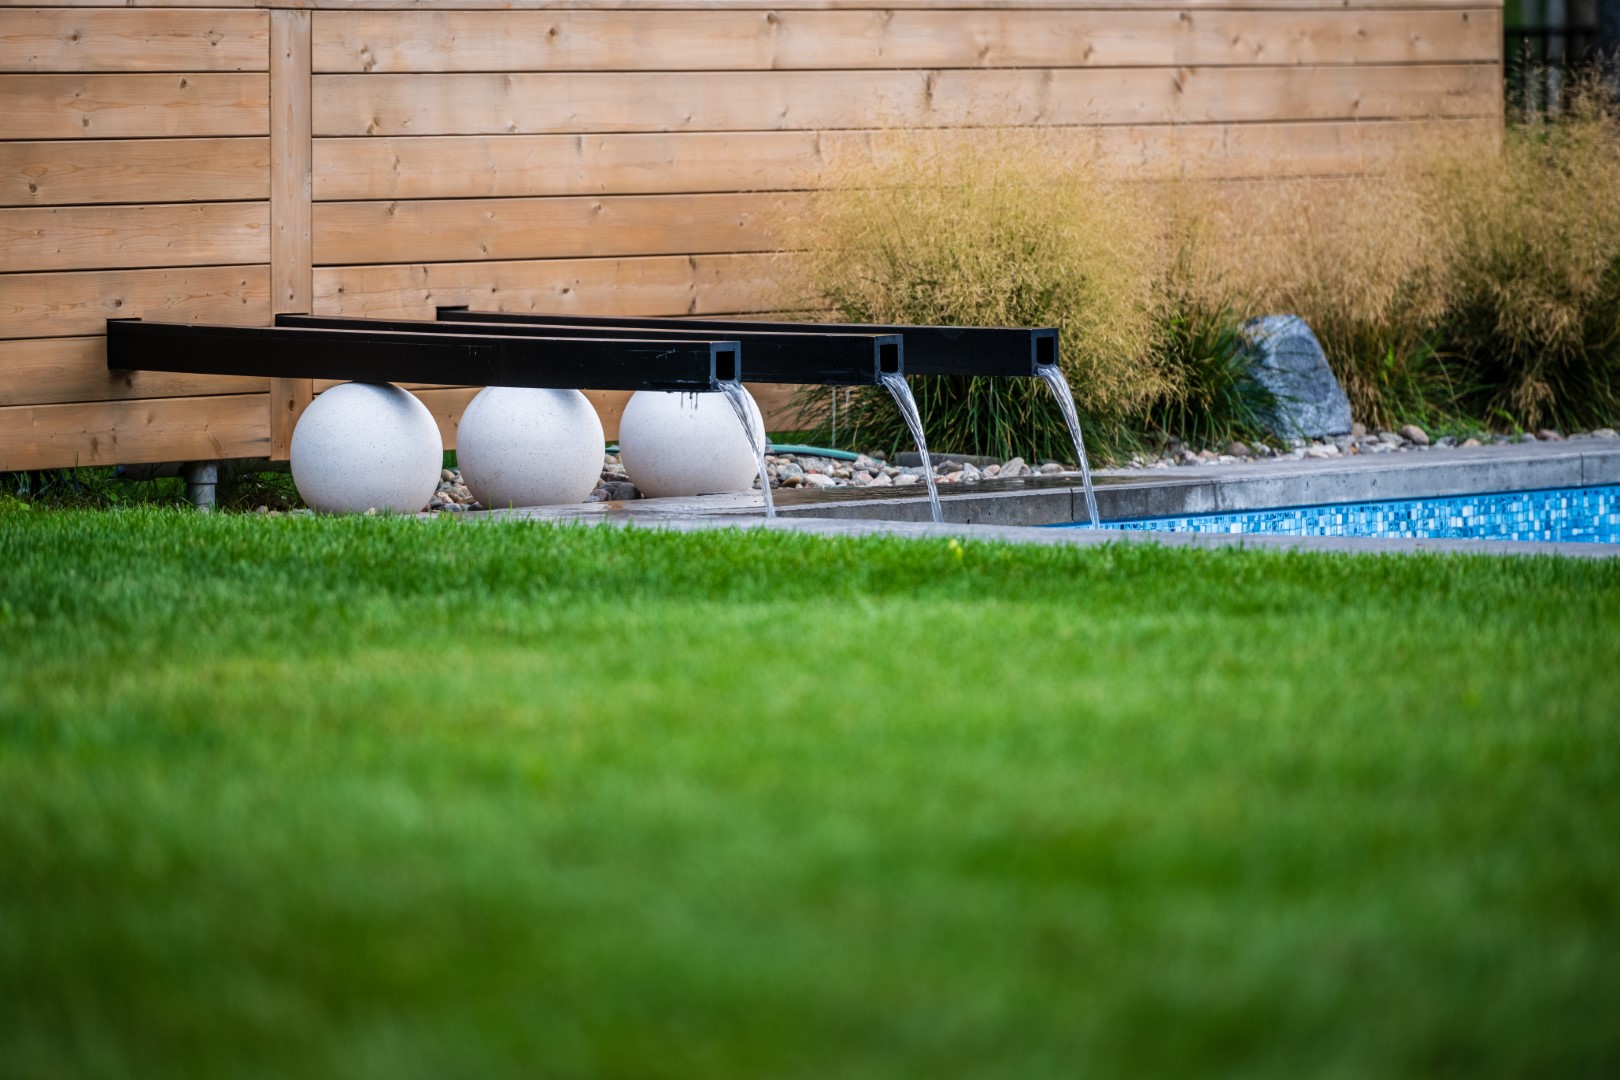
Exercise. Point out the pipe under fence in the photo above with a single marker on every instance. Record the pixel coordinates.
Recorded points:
(367, 354)
(804, 355)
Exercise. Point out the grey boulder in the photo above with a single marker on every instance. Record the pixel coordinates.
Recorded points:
(1288, 363)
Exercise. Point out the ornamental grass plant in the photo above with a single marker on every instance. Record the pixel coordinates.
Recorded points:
(1365, 261)
(1533, 319)
(1472, 282)
(995, 230)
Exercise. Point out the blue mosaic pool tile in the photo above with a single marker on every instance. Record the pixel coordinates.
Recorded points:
(1590, 515)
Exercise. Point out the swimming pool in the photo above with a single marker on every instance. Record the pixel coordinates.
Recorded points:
(1588, 514)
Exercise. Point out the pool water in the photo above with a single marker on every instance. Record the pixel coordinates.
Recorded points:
(1590, 514)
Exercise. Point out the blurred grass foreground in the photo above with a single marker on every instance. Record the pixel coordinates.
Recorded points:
(382, 797)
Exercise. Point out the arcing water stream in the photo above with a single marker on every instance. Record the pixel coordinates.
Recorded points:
(896, 385)
(898, 389)
(756, 440)
(1052, 375)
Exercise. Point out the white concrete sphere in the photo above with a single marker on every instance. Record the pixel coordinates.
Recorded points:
(687, 444)
(519, 446)
(366, 446)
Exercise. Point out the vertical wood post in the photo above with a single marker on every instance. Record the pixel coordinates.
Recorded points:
(292, 277)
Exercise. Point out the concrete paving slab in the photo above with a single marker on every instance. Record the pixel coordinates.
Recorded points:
(1012, 510)
(1082, 537)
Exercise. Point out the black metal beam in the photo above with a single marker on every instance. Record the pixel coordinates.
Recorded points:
(371, 355)
(804, 355)
(929, 350)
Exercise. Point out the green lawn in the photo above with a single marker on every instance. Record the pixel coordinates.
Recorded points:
(372, 797)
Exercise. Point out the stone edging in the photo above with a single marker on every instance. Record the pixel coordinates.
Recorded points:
(1006, 510)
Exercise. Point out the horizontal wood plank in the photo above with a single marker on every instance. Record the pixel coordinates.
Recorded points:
(130, 432)
(45, 371)
(47, 39)
(516, 165)
(775, 403)
(170, 234)
(447, 406)
(459, 230)
(479, 166)
(661, 285)
(1274, 151)
(813, 100)
(767, 5)
(133, 171)
(133, 106)
(80, 302)
(780, 40)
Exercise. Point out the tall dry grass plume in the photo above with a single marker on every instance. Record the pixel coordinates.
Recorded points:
(1474, 279)
(1476, 276)
(994, 229)
(1534, 317)
(1363, 260)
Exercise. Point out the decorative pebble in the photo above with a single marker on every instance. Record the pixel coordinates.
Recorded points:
(822, 473)
(1414, 434)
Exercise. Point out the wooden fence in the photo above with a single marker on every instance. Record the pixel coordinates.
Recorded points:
(220, 161)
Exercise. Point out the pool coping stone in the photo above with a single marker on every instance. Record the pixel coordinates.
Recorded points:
(1018, 510)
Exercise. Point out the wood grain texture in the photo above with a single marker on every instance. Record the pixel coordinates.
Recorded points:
(128, 432)
(775, 403)
(461, 230)
(173, 234)
(291, 185)
(659, 285)
(447, 407)
(47, 39)
(133, 106)
(1275, 151)
(133, 171)
(80, 302)
(291, 194)
(766, 5)
(813, 100)
(46, 371)
(733, 40)
(516, 165)
(480, 166)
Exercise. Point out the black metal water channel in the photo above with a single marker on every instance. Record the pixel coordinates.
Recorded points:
(929, 350)
(811, 363)
(965, 351)
(366, 353)
(588, 352)
(802, 355)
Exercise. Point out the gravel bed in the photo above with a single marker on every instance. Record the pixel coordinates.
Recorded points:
(810, 471)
